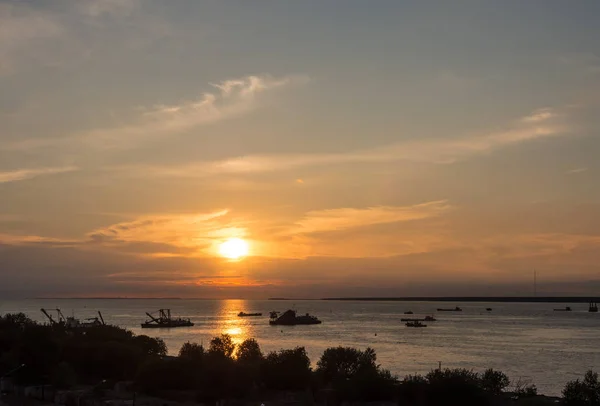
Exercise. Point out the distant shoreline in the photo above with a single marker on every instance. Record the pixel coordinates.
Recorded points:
(491, 299)
(465, 299)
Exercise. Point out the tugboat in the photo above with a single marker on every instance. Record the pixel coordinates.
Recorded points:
(242, 314)
(408, 312)
(289, 318)
(593, 307)
(164, 320)
(415, 324)
(488, 309)
(70, 322)
(430, 318)
(456, 309)
(566, 309)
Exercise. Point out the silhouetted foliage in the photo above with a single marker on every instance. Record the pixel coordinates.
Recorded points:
(355, 375)
(584, 392)
(222, 346)
(249, 352)
(192, 352)
(63, 376)
(158, 374)
(494, 381)
(64, 357)
(287, 369)
(524, 389)
(455, 387)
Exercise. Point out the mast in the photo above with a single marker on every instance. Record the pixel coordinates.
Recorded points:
(534, 283)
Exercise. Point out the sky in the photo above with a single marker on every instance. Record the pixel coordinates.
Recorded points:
(385, 148)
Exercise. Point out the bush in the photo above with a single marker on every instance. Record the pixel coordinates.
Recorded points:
(525, 389)
(222, 346)
(158, 374)
(455, 387)
(413, 390)
(192, 352)
(494, 381)
(582, 393)
(287, 370)
(64, 376)
(345, 362)
(249, 352)
(355, 375)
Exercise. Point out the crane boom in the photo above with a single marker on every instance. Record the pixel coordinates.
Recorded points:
(48, 316)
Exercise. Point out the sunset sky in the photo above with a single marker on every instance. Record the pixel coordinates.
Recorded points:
(364, 148)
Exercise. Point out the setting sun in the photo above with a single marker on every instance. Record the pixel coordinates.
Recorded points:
(234, 248)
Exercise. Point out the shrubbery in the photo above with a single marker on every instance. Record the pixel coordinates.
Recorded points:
(226, 370)
(584, 392)
(53, 355)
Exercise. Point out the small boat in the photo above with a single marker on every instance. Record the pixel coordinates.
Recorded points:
(456, 309)
(427, 318)
(408, 312)
(164, 320)
(488, 309)
(593, 307)
(566, 309)
(289, 318)
(415, 324)
(242, 314)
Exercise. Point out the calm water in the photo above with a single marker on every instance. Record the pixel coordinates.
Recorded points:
(528, 341)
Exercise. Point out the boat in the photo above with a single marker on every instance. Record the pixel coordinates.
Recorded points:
(289, 318)
(566, 309)
(408, 312)
(488, 309)
(164, 320)
(593, 307)
(70, 322)
(412, 319)
(456, 309)
(242, 314)
(415, 324)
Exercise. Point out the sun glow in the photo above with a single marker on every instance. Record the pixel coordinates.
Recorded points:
(234, 248)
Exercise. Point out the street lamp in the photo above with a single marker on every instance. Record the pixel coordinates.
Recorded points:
(12, 371)
(9, 373)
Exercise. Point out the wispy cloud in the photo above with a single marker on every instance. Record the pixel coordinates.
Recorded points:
(20, 28)
(98, 8)
(543, 123)
(23, 174)
(576, 170)
(231, 98)
(344, 218)
(169, 235)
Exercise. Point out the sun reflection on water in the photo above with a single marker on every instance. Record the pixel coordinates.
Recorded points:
(238, 328)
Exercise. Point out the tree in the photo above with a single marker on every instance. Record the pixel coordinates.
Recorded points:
(583, 393)
(494, 381)
(455, 387)
(222, 346)
(287, 369)
(150, 345)
(192, 352)
(345, 362)
(355, 375)
(249, 352)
